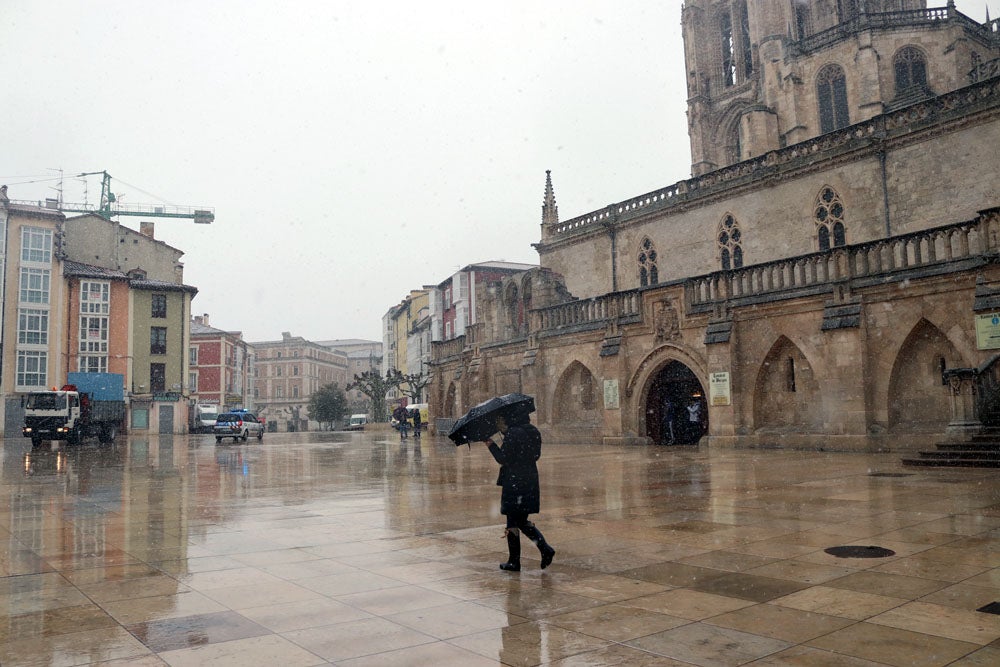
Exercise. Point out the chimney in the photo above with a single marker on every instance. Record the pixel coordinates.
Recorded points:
(146, 229)
(204, 319)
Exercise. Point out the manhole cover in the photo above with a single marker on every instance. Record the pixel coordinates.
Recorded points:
(860, 552)
(890, 474)
(991, 608)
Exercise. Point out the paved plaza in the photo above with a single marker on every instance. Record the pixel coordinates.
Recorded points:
(356, 549)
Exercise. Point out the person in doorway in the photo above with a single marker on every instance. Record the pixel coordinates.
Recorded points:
(417, 419)
(668, 416)
(520, 495)
(694, 419)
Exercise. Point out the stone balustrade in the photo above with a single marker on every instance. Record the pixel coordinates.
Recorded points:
(582, 312)
(862, 263)
(447, 349)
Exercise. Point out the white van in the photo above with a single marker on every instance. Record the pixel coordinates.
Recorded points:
(356, 423)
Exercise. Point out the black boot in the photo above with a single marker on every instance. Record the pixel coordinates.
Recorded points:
(513, 563)
(536, 536)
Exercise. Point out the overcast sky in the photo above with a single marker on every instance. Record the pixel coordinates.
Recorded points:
(352, 151)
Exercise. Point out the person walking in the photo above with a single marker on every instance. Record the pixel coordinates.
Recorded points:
(399, 414)
(520, 495)
(417, 421)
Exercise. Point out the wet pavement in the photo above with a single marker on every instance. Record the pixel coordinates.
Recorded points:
(356, 549)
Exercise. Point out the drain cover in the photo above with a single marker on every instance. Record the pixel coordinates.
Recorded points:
(991, 608)
(860, 552)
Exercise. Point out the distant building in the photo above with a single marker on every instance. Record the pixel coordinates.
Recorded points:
(397, 327)
(452, 300)
(362, 356)
(288, 371)
(222, 367)
(34, 305)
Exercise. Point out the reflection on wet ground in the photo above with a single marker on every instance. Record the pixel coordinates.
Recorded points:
(356, 549)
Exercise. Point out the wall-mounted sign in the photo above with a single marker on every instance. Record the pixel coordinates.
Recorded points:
(611, 395)
(718, 389)
(988, 331)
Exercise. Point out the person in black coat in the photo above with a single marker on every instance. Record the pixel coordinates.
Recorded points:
(522, 446)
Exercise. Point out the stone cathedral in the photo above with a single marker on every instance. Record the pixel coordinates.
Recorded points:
(829, 276)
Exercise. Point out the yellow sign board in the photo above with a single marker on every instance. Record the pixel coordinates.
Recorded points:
(719, 390)
(988, 331)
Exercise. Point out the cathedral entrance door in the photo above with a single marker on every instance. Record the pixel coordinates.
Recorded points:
(676, 409)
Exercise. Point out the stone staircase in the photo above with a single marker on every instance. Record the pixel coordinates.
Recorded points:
(981, 451)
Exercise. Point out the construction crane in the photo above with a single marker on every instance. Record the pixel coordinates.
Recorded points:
(109, 206)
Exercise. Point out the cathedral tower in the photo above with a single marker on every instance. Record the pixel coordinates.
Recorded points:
(764, 74)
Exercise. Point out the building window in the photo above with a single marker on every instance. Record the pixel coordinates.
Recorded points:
(95, 297)
(157, 377)
(159, 309)
(93, 335)
(193, 353)
(910, 68)
(831, 91)
(279, 392)
(34, 285)
(730, 244)
(830, 228)
(295, 370)
(31, 368)
(36, 245)
(158, 340)
(295, 392)
(193, 382)
(277, 371)
(648, 273)
(803, 21)
(32, 326)
(93, 363)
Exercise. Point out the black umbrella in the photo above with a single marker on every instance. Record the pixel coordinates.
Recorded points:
(479, 423)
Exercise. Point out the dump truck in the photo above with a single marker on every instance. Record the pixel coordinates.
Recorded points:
(88, 405)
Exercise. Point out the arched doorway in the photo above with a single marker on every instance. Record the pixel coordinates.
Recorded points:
(676, 408)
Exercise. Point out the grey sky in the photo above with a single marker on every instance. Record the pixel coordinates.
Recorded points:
(352, 150)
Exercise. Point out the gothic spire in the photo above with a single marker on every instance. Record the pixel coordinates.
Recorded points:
(550, 212)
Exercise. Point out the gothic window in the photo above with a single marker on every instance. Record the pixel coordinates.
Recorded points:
(848, 9)
(730, 244)
(830, 228)
(728, 49)
(648, 274)
(802, 19)
(831, 91)
(910, 68)
(745, 52)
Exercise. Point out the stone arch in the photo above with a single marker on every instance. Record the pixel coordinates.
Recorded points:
(918, 398)
(728, 134)
(641, 390)
(787, 392)
(577, 400)
(512, 307)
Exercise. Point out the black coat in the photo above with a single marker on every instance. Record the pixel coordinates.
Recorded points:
(522, 446)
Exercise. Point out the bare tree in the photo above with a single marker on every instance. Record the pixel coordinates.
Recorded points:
(375, 387)
(415, 384)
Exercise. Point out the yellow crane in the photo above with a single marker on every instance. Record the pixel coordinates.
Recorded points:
(110, 207)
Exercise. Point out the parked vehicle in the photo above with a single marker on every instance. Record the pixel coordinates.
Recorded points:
(203, 416)
(88, 405)
(238, 425)
(356, 423)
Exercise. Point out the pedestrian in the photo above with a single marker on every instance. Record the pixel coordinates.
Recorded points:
(668, 422)
(399, 414)
(694, 419)
(417, 420)
(522, 446)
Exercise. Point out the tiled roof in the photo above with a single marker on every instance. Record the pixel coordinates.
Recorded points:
(81, 270)
(161, 285)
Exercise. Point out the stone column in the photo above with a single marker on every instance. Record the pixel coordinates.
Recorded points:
(964, 417)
